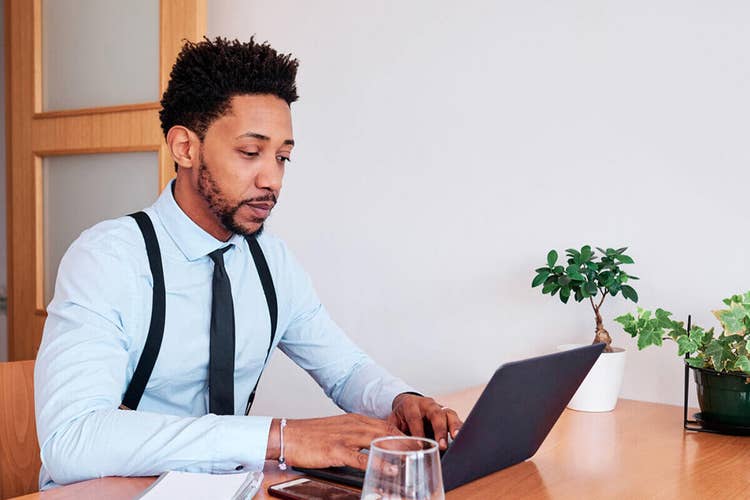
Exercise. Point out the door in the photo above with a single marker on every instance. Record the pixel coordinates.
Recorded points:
(84, 143)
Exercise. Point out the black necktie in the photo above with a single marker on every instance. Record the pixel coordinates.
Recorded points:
(221, 360)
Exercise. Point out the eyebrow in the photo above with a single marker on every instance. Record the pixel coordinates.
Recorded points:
(262, 137)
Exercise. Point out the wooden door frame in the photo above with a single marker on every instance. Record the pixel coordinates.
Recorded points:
(32, 134)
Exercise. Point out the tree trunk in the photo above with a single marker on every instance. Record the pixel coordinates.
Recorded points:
(602, 335)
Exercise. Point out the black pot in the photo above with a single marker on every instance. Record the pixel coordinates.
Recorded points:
(724, 398)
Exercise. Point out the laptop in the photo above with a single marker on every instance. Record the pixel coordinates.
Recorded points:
(509, 421)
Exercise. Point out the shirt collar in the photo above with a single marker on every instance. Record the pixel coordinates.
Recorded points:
(192, 240)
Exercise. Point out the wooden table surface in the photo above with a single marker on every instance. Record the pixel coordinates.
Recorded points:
(638, 451)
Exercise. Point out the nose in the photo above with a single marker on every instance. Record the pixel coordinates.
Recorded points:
(270, 175)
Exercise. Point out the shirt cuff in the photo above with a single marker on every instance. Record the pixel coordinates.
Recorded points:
(372, 391)
(243, 444)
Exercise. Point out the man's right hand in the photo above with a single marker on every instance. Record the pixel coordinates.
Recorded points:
(329, 441)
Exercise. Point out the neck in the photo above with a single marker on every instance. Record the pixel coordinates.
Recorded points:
(197, 209)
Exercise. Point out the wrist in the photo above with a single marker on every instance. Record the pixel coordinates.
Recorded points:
(273, 448)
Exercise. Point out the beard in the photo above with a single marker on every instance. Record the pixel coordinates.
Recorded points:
(225, 211)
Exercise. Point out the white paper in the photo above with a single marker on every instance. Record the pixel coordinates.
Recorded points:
(197, 486)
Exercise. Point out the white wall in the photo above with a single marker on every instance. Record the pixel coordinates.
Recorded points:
(445, 147)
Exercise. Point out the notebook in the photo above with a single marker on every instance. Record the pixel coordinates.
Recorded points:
(198, 486)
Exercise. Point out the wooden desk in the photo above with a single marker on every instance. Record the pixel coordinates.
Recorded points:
(637, 451)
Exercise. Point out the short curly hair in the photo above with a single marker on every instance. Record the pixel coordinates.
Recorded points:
(207, 74)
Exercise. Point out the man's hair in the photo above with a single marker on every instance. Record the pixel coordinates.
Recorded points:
(207, 74)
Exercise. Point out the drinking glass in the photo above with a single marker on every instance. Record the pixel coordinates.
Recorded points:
(403, 468)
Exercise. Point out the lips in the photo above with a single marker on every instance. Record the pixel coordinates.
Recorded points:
(260, 210)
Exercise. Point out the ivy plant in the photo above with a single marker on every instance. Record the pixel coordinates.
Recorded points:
(725, 352)
(588, 275)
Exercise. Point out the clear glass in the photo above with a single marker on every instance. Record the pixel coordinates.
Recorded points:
(99, 53)
(81, 190)
(403, 468)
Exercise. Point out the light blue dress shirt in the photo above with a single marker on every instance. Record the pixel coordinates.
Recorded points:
(96, 328)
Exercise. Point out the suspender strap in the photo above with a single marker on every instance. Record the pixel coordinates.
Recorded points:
(158, 310)
(273, 311)
(150, 352)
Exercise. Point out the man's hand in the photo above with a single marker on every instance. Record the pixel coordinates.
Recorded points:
(328, 442)
(410, 410)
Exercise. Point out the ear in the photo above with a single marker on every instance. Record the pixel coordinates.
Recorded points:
(183, 145)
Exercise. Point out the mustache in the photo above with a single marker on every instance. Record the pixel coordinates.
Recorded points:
(265, 198)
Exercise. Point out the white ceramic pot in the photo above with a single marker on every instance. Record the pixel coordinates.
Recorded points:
(601, 387)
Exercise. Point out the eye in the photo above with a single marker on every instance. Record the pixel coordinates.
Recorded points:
(249, 154)
(283, 159)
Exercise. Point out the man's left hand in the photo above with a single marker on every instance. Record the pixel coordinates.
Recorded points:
(410, 410)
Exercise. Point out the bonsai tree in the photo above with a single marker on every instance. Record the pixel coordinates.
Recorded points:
(727, 352)
(588, 276)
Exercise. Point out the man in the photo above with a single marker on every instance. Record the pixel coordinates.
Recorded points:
(227, 122)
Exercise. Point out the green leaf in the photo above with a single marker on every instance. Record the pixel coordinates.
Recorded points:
(540, 269)
(628, 323)
(563, 281)
(697, 334)
(551, 258)
(624, 259)
(719, 354)
(580, 278)
(732, 319)
(586, 253)
(621, 250)
(575, 257)
(548, 287)
(579, 295)
(603, 252)
(662, 317)
(564, 294)
(684, 345)
(629, 293)
(644, 314)
(539, 279)
(591, 288)
(742, 364)
(649, 336)
(697, 362)
(574, 274)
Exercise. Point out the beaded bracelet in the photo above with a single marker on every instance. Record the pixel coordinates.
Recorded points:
(282, 460)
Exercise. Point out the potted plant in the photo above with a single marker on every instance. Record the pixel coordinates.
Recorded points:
(592, 277)
(720, 363)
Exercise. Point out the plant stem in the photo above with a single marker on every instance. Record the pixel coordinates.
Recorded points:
(601, 334)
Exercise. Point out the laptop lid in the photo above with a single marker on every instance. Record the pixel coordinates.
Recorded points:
(509, 421)
(515, 412)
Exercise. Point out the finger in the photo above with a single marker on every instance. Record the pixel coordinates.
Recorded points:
(439, 421)
(363, 436)
(413, 418)
(380, 466)
(393, 419)
(355, 459)
(454, 423)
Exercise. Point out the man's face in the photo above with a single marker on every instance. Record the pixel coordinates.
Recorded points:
(242, 160)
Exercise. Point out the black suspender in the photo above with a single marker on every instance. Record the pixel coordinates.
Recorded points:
(156, 328)
(268, 290)
(158, 310)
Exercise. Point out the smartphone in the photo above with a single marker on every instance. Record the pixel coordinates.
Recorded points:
(305, 488)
